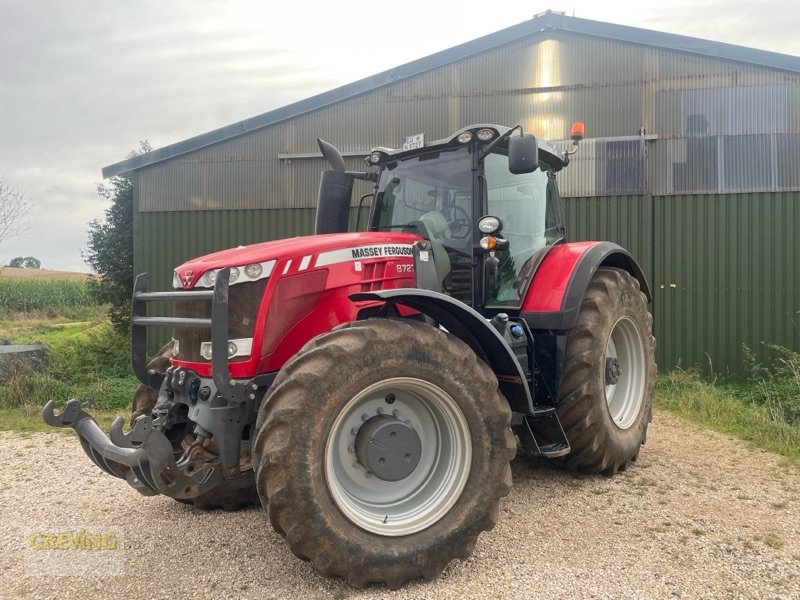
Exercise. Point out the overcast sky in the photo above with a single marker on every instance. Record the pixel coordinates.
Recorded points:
(83, 81)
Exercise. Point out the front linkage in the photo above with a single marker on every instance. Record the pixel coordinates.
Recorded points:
(148, 457)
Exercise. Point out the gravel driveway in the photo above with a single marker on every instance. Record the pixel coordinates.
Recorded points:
(700, 516)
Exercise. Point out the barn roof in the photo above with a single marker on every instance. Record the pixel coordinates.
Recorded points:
(548, 21)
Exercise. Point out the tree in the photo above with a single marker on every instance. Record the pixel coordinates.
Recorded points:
(14, 211)
(28, 262)
(109, 249)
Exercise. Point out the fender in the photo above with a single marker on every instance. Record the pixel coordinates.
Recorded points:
(469, 326)
(555, 294)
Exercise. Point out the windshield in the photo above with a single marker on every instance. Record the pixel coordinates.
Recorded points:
(431, 195)
(527, 206)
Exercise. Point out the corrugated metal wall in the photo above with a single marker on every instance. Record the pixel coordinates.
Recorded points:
(727, 273)
(724, 269)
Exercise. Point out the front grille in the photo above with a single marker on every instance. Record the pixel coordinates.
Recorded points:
(243, 301)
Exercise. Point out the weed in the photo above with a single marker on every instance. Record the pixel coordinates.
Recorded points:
(772, 540)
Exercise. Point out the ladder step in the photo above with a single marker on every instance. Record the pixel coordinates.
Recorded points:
(554, 450)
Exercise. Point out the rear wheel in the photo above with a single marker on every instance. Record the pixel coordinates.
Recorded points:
(609, 375)
(382, 451)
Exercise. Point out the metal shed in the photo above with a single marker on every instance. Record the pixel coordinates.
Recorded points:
(693, 164)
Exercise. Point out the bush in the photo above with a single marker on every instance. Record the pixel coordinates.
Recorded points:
(52, 297)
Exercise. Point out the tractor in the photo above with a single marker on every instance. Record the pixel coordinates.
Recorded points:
(371, 388)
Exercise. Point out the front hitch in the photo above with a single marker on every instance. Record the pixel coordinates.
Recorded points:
(144, 457)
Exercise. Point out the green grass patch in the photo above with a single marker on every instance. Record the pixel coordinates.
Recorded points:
(28, 419)
(728, 410)
(49, 297)
(88, 360)
(41, 329)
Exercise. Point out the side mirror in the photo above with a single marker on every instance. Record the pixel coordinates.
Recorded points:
(523, 154)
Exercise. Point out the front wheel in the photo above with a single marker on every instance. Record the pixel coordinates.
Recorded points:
(383, 450)
(609, 375)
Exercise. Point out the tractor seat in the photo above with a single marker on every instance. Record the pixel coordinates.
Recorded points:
(434, 228)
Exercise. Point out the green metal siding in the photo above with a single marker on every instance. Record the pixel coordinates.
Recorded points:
(625, 220)
(724, 269)
(726, 274)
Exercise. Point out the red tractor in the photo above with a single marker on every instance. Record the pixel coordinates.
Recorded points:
(371, 388)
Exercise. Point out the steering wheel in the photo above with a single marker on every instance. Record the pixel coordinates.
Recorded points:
(458, 220)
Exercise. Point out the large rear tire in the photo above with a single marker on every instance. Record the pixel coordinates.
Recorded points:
(382, 451)
(232, 494)
(609, 375)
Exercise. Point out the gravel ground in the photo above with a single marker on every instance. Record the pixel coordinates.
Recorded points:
(700, 516)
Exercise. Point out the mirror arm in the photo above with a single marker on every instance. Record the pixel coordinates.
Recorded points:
(499, 139)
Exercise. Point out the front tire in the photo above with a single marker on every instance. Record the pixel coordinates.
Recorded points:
(382, 451)
(609, 375)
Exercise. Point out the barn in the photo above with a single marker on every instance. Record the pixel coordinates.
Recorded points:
(692, 162)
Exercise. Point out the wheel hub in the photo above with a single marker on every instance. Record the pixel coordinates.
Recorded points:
(389, 448)
(613, 371)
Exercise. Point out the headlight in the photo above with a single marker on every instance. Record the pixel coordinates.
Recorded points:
(240, 347)
(375, 158)
(253, 271)
(240, 274)
(208, 279)
(485, 135)
(464, 137)
(489, 224)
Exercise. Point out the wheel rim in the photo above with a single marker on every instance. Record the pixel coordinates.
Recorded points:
(624, 373)
(417, 501)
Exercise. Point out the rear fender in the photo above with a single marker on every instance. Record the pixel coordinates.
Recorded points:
(469, 326)
(554, 296)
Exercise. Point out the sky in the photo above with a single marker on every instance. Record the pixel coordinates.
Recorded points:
(82, 82)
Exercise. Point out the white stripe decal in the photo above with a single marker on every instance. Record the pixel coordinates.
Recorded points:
(364, 252)
(286, 268)
(304, 263)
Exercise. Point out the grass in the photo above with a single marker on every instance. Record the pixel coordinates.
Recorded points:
(87, 360)
(728, 410)
(28, 419)
(39, 328)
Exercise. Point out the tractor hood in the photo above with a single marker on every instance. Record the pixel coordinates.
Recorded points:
(308, 249)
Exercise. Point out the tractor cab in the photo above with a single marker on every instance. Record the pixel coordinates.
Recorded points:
(488, 208)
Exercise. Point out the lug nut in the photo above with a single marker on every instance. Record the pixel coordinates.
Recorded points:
(396, 413)
(380, 410)
(365, 417)
(351, 449)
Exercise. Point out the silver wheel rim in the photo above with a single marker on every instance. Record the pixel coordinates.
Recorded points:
(625, 397)
(395, 508)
